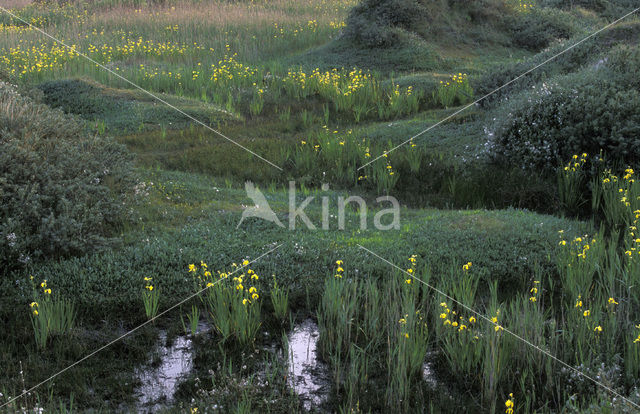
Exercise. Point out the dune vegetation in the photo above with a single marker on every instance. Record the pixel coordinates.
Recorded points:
(130, 128)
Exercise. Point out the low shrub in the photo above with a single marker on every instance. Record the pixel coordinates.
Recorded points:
(606, 8)
(61, 190)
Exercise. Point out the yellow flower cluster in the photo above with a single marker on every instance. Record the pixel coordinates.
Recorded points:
(138, 47)
(41, 57)
(335, 24)
(534, 291)
(44, 14)
(494, 320)
(339, 269)
(19, 61)
(576, 163)
(45, 290)
(628, 177)
(467, 266)
(242, 283)
(311, 26)
(637, 340)
(452, 319)
(34, 308)
(411, 270)
(149, 284)
(509, 404)
(229, 68)
(390, 169)
(586, 313)
(10, 29)
(329, 82)
(579, 245)
(524, 6)
(458, 79)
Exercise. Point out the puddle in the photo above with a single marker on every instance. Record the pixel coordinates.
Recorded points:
(159, 383)
(428, 375)
(428, 372)
(309, 376)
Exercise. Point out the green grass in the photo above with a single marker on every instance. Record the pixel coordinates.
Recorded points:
(184, 210)
(191, 218)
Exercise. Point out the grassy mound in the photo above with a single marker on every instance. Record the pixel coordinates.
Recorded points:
(126, 110)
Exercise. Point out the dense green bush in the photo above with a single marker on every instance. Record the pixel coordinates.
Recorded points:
(379, 23)
(61, 191)
(539, 27)
(586, 112)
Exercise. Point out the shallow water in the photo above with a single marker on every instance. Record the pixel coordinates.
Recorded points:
(428, 374)
(309, 376)
(159, 383)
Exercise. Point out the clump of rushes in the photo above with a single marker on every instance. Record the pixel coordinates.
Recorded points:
(414, 157)
(194, 319)
(150, 298)
(384, 175)
(571, 181)
(617, 199)
(235, 307)
(338, 307)
(356, 316)
(280, 301)
(50, 313)
(455, 91)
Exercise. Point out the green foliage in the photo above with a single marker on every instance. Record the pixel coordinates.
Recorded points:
(409, 53)
(443, 180)
(280, 302)
(150, 298)
(231, 318)
(61, 190)
(194, 319)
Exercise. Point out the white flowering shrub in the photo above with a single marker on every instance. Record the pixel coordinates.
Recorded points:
(588, 112)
